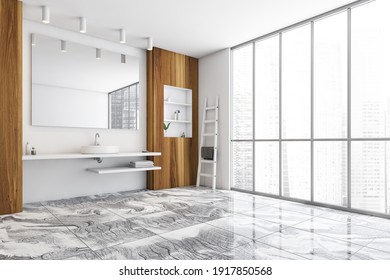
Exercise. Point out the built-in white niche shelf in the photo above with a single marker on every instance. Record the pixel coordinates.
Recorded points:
(178, 100)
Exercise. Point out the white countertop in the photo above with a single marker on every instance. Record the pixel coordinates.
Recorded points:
(81, 156)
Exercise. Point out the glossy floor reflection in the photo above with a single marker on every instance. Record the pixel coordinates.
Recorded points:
(189, 223)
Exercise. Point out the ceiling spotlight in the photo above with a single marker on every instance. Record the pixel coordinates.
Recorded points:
(33, 39)
(63, 46)
(123, 58)
(98, 53)
(45, 14)
(122, 36)
(150, 44)
(83, 25)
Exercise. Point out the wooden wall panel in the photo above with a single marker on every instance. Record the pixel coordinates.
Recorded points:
(179, 160)
(10, 106)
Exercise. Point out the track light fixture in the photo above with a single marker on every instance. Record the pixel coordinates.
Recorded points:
(123, 58)
(150, 44)
(45, 14)
(98, 53)
(122, 36)
(83, 25)
(33, 39)
(63, 46)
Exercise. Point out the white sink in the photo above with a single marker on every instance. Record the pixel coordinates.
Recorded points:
(93, 149)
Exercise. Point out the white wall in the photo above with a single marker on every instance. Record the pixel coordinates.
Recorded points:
(45, 180)
(214, 79)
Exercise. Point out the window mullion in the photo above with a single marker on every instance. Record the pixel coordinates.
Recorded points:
(349, 111)
(280, 113)
(254, 117)
(312, 113)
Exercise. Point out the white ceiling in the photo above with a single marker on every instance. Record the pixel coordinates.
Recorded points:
(191, 27)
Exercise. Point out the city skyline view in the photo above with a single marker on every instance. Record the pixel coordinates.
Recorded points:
(310, 112)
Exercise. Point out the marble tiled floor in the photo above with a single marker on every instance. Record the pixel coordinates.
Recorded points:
(189, 223)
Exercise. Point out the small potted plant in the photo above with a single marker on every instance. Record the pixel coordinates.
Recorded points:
(166, 126)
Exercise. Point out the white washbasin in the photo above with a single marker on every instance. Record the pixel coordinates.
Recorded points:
(93, 149)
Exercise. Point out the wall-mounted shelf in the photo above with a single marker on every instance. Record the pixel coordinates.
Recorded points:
(177, 104)
(81, 156)
(177, 121)
(180, 99)
(114, 170)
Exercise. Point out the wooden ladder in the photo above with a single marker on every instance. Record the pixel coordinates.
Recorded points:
(204, 134)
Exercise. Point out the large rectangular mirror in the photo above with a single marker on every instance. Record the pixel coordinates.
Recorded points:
(74, 85)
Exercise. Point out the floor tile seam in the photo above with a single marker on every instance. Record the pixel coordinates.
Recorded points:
(55, 216)
(280, 248)
(113, 212)
(69, 229)
(359, 251)
(384, 231)
(366, 227)
(179, 208)
(95, 205)
(274, 232)
(335, 220)
(122, 243)
(322, 235)
(135, 216)
(263, 197)
(263, 203)
(172, 211)
(117, 218)
(208, 222)
(258, 241)
(224, 208)
(237, 246)
(264, 219)
(109, 210)
(228, 230)
(372, 241)
(198, 223)
(355, 215)
(356, 224)
(256, 208)
(92, 252)
(290, 211)
(228, 212)
(284, 250)
(371, 248)
(344, 240)
(170, 241)
(138, 216)
(341, 223)
(293, 225)
(44, 234)
(295, 212)
(205, 223)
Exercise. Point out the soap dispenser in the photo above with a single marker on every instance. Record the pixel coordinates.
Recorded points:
(28, 149)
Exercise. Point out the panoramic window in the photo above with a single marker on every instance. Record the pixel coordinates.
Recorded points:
(311, 111)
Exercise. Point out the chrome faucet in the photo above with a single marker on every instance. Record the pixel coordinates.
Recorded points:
(96, 139)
